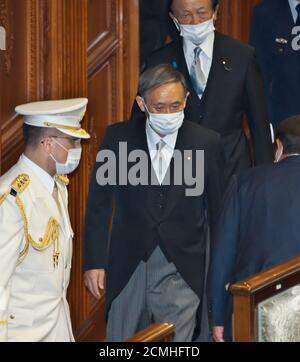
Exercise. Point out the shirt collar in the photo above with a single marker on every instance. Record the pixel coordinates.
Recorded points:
(293, 4)
(154, 138)
(44, 177)
(207, 46)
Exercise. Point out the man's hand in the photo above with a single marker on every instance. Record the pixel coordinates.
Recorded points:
(218, 334)
(94, 280)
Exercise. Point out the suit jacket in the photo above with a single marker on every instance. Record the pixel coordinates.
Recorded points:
(232, 89)
(33, 305)
(279, 62)
(147, 216)
(258, 228)
(155, 26)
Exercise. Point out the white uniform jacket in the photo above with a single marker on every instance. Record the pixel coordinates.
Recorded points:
(33, 304)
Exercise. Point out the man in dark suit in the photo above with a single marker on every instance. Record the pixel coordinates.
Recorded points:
(155, 256)
(278, 52)
(258, 226)
(155, 26)
(224, 82)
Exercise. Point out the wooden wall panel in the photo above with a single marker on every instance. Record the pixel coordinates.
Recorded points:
(18, 82)
(101, 21)
(63, 49)
(235, 18)
(112, 78)
(74, 48)
(101, 102)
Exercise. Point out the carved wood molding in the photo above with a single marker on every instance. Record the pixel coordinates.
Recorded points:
(32, 35)
(111, 31)
(112, 56)
(93, 144)
(66, 77)
(2, 38)
(11, 140)
(131, 56)
(6, 15)
(94, 321)
(36, 26)
(106, 43)
(101, 52)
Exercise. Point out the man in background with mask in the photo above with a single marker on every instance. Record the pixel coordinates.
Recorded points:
(154, 256)
(224, 82)
(258, 225)
(35, 230)
(156, 28)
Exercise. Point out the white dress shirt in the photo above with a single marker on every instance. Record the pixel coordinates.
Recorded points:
(43, 176)
(206, 55)
(293, 4)
(153, 139)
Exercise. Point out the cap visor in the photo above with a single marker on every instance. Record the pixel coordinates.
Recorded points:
(81, 133)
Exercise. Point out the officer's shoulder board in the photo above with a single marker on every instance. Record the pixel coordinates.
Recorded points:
(18, 186)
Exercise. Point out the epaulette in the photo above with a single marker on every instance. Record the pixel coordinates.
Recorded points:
(62, 179)
(17, 187)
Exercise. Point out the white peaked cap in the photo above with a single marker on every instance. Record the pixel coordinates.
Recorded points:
(64, 115)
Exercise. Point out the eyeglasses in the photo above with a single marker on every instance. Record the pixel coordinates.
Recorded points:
(66, 138)
(77, 141)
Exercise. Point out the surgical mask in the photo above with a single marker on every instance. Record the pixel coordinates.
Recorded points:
(196, 33)
(73, 160)
(166, 123)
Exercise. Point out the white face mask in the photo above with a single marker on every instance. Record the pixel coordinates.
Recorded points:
(165, 123)
(73, 160)
(196, 33)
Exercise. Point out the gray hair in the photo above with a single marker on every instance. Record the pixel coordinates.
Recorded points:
(157, 76)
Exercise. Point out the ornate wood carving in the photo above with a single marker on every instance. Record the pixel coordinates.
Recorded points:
(35, 25)
(2, 38)
(6, 15)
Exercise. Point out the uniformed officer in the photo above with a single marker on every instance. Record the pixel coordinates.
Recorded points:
(35, 230)
(275, 36)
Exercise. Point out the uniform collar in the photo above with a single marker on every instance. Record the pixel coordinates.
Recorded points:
(43, 176)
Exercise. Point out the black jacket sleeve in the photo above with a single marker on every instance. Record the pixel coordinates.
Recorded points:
(215, 182)
(98, 217)
(256, 108)
(223, 255)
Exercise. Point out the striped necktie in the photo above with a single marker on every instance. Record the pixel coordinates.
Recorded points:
(159, 160)
(197, 75)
